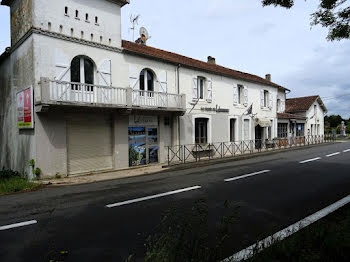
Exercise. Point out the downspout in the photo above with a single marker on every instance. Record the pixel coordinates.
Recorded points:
(178, 92)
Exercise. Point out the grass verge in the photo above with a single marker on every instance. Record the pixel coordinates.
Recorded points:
(17, 184)
(326, 240)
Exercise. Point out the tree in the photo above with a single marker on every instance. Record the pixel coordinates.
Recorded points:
(332, 14)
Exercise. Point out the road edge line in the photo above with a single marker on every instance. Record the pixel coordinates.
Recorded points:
(288, 231)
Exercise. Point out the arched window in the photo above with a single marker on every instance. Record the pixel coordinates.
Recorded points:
(147, 81)
(82, 71)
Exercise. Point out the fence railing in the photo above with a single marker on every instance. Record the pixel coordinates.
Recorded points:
(199, 152)
(61, 91)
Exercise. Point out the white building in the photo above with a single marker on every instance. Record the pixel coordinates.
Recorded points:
(100, 103)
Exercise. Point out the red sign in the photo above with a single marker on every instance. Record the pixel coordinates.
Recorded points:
(25, 108)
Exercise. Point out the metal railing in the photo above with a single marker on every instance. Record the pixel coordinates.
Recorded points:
(198, 152)
(61, 91)
(85, 93)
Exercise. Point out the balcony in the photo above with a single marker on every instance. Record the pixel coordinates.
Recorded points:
(60, 93)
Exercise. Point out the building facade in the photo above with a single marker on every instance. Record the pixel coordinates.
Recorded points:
(101, 103)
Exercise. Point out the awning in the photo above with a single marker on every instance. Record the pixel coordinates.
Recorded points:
(263, 122)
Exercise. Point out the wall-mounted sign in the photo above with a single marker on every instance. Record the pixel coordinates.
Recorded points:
(25, 117)
(215, 109)
(139, 120)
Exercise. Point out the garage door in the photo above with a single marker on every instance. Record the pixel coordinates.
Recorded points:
(89, 143)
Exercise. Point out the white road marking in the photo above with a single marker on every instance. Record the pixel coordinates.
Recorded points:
(309, 160)
(248, 175)
(22, 224)
(284, 233)
(347, 150)
(152, 197)
(334, 154)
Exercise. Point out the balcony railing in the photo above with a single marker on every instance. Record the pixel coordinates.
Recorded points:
(61, 92)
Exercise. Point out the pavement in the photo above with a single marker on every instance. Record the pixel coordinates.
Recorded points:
(272, 191)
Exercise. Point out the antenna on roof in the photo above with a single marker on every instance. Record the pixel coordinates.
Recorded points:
(144, 36)
(134, 21)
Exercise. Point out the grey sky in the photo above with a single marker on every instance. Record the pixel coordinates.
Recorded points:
(244, 36)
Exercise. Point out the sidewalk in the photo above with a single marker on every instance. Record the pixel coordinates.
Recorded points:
(156, 168)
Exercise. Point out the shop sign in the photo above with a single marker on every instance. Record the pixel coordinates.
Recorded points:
(25, 109)
(139, 120)
(215, 109)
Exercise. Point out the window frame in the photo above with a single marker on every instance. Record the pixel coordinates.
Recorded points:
(282, 130)
(201, 87)
(144, 82)
(201, 130)
(266, 98)
(81, 73)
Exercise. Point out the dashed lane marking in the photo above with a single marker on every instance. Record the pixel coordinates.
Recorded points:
(310, 160)
(22, 224)
(248, 175)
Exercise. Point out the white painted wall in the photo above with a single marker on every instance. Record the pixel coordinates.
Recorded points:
(315, 119)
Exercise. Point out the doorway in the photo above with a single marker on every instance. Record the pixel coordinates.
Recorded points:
(258, 136)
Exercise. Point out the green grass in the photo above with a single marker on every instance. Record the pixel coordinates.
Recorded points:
(16, 184)
(326, 240)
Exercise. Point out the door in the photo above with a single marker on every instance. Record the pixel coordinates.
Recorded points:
(82, 76)
(232, 130)
(258, 136)
(89, 143)
(246, 129)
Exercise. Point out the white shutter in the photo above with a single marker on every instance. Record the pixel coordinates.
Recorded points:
(163, 83)
(89, 142)
(133, 77)
(235, 94)
(209, 90)
(262, 99)
(194, 89)
(283, 106)
(105, 73)
(270, 100)
(62, 64)
(245, 96)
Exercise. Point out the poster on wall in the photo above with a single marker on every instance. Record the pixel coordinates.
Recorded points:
(25, 109)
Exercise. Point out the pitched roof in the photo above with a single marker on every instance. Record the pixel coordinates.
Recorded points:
(300, 104)
(156, 53)
(290, 116)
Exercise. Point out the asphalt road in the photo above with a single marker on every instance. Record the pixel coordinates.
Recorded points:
(76, 219)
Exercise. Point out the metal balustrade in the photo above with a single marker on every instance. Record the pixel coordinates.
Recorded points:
(204, 152)
(79, 93)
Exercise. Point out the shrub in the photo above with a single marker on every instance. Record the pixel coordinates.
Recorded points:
(8, 173)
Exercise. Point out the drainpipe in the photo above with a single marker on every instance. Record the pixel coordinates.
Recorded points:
(178, 92)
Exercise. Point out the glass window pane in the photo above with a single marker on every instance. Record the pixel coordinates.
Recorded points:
(153, 154)
(152, 135)
(89, 71)
(75, 70)
(142, 80)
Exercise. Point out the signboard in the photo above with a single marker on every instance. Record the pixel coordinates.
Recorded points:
(25, 109)
(140, 120)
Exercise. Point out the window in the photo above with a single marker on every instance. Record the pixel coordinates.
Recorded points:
(300, 130)
(200, 85)
(201, 130)
(71, 31)
(86, 17)
(66, 10)
(92, 37)
(49, 26)
(96, 20)
(315, 110)
(279, 105)
(76, 14)
(240, 94)
(82, 71)
(232, 130)
(101, 39)
(82, 34)
(61, 28)
(282, 130)
(266, 98)
(147, 82)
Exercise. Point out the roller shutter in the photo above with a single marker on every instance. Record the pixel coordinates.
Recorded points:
(89, 143)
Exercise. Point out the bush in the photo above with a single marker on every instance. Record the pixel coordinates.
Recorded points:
(8, 173)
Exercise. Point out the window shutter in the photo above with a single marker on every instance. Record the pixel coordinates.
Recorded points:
(163, 84)
(283, 106)
(210, 90)
(62, 67)
(194, 89)
(270, 100)
(245, 96)
(235, 94)
(262, 98)
(133, 77)
(105, 73)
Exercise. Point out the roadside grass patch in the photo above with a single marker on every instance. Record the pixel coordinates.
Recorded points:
(325, 240)
(12, 182)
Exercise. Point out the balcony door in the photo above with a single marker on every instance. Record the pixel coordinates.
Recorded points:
(82, 76)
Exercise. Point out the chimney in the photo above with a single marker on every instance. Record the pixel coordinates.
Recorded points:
(268, 77)
(211, 60)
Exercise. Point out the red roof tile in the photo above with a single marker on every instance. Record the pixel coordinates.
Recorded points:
(300, 104)
(193, 63)
(290, 116)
